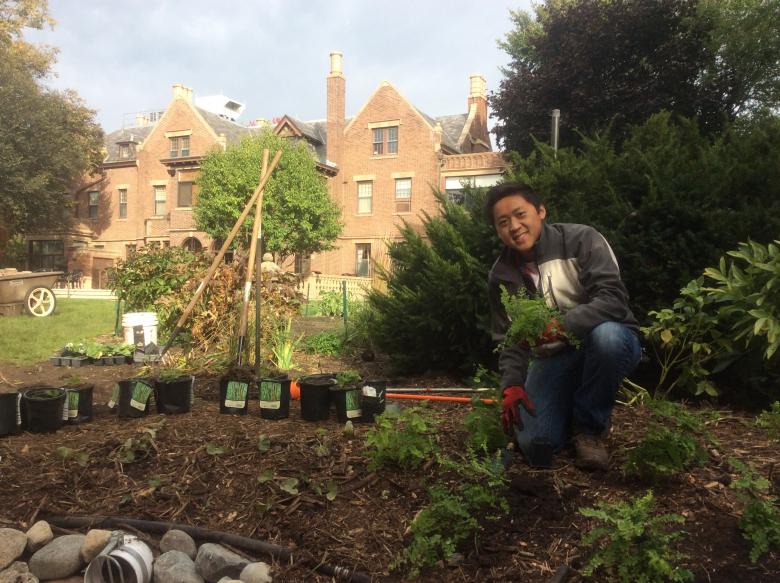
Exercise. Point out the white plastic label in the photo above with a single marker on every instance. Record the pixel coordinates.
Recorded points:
(270, 404)
(235, 404)
(18, 408)
(369, 391)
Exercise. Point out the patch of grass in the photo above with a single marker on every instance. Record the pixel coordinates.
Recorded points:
(27, 340)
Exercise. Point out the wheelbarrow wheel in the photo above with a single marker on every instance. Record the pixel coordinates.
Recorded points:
(40, 302)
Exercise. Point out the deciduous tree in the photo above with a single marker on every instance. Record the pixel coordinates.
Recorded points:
(298, 214)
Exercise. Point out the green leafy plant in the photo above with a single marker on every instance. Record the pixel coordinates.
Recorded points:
(451, 514)
(632, 546)
(329, 303)
(770, 421)
(348, 378)
(404, 441)
(325, 343)
(664, 452)
(528, 319)
(140, 447)
(484, 378)
(483, 424)
(67, 453)
(283, 345)
(760, 519)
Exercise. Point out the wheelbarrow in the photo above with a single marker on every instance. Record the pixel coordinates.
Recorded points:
(27, 290)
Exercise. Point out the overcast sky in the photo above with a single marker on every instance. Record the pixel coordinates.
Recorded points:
(272, 55)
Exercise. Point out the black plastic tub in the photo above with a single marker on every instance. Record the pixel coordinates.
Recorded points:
(315, 396)
(79, 404)
(175, 396)
(373, 399)
(275, 397)
(234, 395)
(10, 413)
(43, 408)
(132, 397)
(347, 401)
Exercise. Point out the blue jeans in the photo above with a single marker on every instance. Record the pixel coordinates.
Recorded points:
(577, 388)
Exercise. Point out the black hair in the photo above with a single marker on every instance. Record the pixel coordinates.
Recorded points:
(500, 191)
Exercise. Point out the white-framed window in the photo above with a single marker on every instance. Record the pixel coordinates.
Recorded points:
(94, 201)
(384, 141)
(403, 195)
(122, 203)
(363, 259)
(180, 146)
(365, 195)
(455, 185)
(159, 201)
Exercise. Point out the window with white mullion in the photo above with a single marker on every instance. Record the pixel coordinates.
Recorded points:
(403, 195)
(365, 197)
(159, 201)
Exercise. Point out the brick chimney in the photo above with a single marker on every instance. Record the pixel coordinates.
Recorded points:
(478, 99)
(336, 105)
(182, 92)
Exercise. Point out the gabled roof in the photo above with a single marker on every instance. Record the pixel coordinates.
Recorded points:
(452, 126)
(233, 131)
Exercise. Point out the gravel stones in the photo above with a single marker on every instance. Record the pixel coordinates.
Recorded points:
(178, 540)
(256, 573)
(95, 541)
(39, 535)
(175, 567)
(215, 562)
(18, 572)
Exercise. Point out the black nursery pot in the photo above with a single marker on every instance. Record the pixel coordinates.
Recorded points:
(315, 396)
(275, 397)
(133, 397)
(10, 413)
(234, 395)
(373, 399)
(43, 407)
(347, 401)
(79, 404)
(175, 396)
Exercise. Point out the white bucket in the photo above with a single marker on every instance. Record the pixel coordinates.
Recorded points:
(130, 561)
(140, 328)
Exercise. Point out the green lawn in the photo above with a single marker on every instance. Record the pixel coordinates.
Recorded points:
(27, 340)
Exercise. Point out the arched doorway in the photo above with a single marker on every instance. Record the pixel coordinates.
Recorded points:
(192, 244)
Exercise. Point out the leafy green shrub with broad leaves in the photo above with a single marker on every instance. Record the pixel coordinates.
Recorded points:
(726, 323)
(403, 441)
(633, 545)
(153, 272)
(760, 519)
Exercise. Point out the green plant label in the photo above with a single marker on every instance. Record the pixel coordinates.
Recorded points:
(18, 408)
(235, 395)
(73, 404)
(140, 396)
(352, 399)
(65, 408)
(114, 396)
(270, 395)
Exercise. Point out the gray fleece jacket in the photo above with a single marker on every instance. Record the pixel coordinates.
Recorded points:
(578, 275)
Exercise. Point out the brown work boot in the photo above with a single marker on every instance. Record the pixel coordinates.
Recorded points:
(591, 451)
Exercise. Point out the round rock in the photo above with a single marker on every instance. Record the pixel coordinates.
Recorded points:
(175, 567)
(59, 559)
(215, 562)
(95, 541)
(12, 545)
(178, 540)
(39, 535)
(256, 573)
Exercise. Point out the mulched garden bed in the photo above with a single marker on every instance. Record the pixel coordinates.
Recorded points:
(202, 469)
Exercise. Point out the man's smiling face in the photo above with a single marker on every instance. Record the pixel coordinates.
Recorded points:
(518, 223)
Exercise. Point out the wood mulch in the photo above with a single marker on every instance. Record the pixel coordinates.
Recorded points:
(202, 470)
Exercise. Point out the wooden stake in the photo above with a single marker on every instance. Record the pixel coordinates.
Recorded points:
(218, 259)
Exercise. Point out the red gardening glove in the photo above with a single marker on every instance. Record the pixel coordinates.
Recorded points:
(553, 332)
(509, 414)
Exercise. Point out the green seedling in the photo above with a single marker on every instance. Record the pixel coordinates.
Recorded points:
(760, 519)
(80, 457)
(214, 449)
(664, 452)
(263, 443)
(140, 447)
(402, 441)
(347, 378)
(265, 475)
(290, 485)
(770, 421)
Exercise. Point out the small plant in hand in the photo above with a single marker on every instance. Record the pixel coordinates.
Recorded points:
(404, 441)
(528, 319)
(633, 544)
(760, 520)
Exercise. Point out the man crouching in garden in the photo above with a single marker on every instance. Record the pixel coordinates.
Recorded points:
(566, 380)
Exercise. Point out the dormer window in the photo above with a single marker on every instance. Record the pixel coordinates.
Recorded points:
(180, 146)
(126, 150)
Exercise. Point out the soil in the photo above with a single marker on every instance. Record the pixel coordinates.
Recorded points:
(203, 468)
